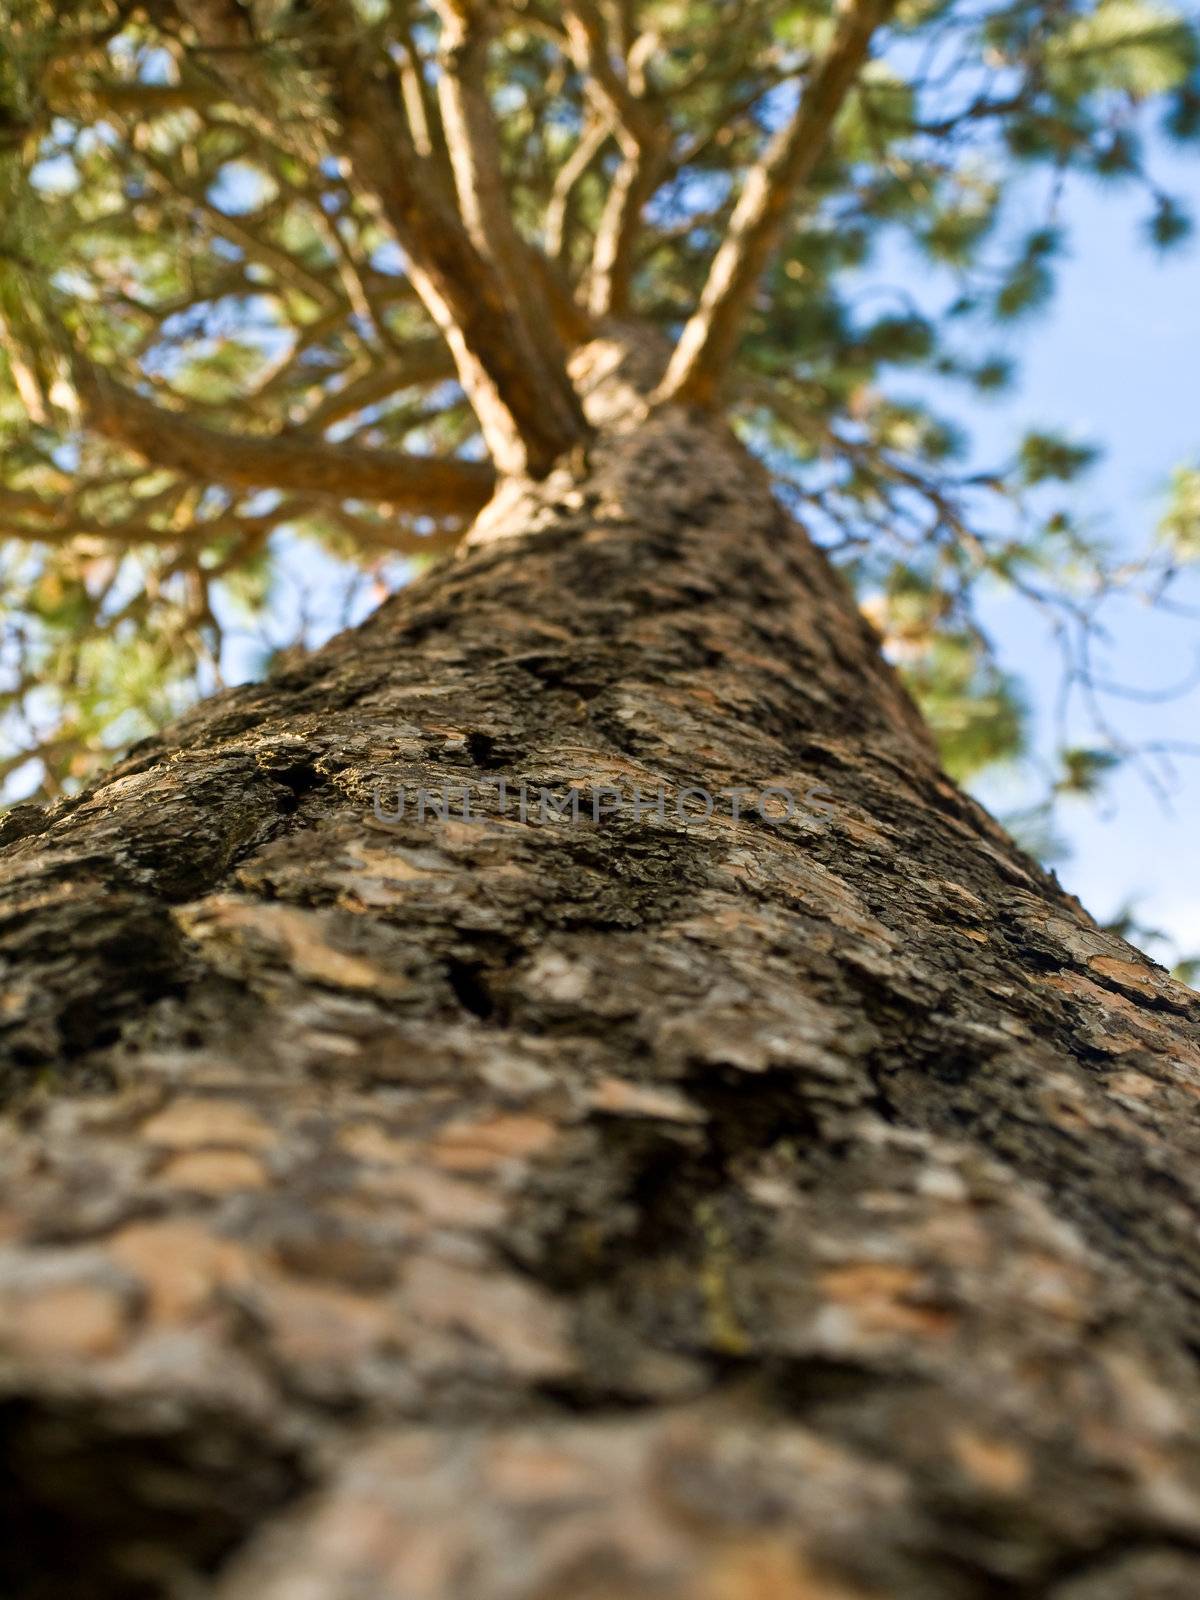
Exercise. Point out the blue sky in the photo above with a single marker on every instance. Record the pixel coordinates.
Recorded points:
(1115, 359)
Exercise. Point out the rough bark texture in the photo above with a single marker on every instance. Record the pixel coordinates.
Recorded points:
(728, 1211)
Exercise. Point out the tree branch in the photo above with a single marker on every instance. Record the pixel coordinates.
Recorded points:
(643, 143)
(528, 413)
(709, 340)
(299, 463)
(587, 38)
(620, 226)
(591, 141)
(473, 141)
(288, 270)
(424, 361)
(66, 94)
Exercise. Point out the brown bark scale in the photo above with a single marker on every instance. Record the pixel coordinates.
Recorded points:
(722, 1211)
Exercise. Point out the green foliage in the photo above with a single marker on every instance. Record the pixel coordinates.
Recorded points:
(1048, 457)
(1123, 45)
(1181, 121)
(976, 711)
(1084, 771)
(1169, 224)
(1180, 525)
(184, 219)
(1029, 282)
(993, 375)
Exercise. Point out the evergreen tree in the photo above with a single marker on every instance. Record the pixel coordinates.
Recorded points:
(557, 1094)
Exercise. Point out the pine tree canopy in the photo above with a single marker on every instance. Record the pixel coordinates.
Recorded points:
(286, 286)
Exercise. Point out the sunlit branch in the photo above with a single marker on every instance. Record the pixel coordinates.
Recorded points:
(527, 416)
(387, 537)
(709, 340)
(473, 142)
(592, 140)
(67, 96)
(285, 461)
(643, 140)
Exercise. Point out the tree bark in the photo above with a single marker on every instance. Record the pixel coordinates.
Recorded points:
(707, 1209)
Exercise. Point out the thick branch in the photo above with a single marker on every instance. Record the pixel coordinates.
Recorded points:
(414, 483)
(67, 94)
(643, 143)
(473, 141)
(708, 342)
(528, 416)
(620, 227)
(587, 38)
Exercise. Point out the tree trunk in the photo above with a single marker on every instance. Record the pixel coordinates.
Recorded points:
(666, 1205)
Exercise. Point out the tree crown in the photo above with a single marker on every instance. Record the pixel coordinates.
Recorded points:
(280, 276)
